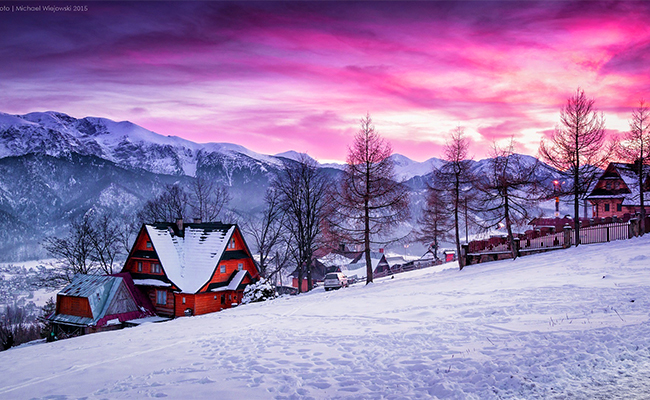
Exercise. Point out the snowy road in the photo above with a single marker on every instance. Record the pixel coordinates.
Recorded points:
(565, 324)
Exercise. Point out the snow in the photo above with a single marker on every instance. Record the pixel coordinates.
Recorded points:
(151, 282)
(190, 260)
(236, 281)
(564, 324)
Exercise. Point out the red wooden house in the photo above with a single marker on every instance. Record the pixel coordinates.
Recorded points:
(92, 303)
(617, 191)
(191, 269)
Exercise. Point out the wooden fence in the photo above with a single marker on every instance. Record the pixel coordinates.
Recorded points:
(498, 248)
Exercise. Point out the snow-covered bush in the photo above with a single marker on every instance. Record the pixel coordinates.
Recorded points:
(259, 291)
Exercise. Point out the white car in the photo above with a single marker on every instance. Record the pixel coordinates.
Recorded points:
(335, 280)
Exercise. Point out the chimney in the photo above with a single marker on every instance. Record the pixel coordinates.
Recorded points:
(179, 224)
(197, 220)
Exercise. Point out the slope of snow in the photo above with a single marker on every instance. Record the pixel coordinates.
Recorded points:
(564, 324)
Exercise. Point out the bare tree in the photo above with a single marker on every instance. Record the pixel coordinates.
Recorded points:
(74, 253)
(578, 148)
(172, 204)
(635, 147)
(17, 327)
(370, 203)
(507, 190)
(207, 199)
(105, 238)
(267, 231)
(301, 189)
(434, 223)
(455, 176)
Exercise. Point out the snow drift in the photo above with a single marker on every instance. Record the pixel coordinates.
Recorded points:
(564, 324)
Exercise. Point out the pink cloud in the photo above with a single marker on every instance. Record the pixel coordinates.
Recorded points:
(277, 76)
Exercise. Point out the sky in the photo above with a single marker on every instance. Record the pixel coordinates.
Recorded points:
(279, 76)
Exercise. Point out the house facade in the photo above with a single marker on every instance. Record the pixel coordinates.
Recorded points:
(92, 303)
(617, 192)
(191, 269)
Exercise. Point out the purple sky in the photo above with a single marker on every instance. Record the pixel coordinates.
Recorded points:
(278, 76)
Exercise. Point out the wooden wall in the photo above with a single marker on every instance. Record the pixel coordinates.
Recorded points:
(77, 306)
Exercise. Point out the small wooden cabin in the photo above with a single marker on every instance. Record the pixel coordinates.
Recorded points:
(92, 303)
(191, 269)
(617, 191)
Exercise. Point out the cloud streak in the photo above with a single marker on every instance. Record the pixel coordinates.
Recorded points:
(275, 76)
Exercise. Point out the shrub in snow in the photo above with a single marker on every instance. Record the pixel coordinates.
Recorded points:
(259, 291)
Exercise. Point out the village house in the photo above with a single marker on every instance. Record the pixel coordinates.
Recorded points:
(92, 303)
(193, 268)
(617, 192)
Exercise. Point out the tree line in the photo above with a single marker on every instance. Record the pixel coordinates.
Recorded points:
(307, 209)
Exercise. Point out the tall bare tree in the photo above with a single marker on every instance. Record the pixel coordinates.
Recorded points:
(578, 148)
(267, 230)
(301, 189)
(455, 177)
(74, 253)
(507, 190)
(635, 147)
(434, 223)
(105, 237)
(207, 199)
(370, 202)
(170, 205)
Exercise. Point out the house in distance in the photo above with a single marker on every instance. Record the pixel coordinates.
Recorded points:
(193, 268)
(617, 191)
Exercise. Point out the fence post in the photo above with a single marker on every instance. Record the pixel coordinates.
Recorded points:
(464, 255)
(517, 246)
(608, 233)
(567, 236)
(633, 228)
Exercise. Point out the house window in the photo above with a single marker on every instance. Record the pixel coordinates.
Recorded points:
(606, 206)
(619, 207)
(161, 297)
(148, 244)
(155, 268)
(139, 266)
(240, 266)
(183, 300)
(222, 268)
(231, 245)
(608, 186)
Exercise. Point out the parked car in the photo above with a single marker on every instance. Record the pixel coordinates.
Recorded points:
(335, 280)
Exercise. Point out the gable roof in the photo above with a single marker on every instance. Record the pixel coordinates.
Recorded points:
(107, 296)
(189, 260)
(628, 174)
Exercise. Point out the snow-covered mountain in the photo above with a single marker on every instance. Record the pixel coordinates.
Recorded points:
(54, 167)
(124, 143)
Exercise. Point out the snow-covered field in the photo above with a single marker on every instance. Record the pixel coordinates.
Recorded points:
(569, 324)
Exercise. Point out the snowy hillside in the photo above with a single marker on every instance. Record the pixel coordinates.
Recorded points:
(565, 324)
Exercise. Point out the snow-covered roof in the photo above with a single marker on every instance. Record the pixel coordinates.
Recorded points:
(151, 282)
(94, 288)
(190, 260)
(334, 259)
(234, 283)
(101, 291)
(627, 174)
